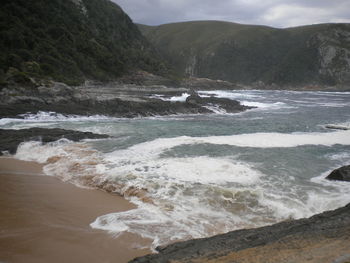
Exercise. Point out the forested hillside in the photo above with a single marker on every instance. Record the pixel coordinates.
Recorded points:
(70, 41)
(248, 54)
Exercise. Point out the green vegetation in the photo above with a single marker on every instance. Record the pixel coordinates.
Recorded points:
(248, 53)
(70, 41)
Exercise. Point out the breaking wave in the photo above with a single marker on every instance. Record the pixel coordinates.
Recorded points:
(44, 116)
(182, 198)
(200, 185)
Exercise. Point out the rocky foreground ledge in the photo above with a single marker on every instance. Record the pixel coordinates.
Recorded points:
(10, 139)
(323, 238)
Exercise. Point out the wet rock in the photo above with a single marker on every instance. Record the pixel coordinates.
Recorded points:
(340, 174)
(302, 235)
(338, 127)
(10, 139)
(194, 99)
(230, 106)
(115, 99)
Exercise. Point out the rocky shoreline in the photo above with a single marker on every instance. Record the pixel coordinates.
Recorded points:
(114, 99)
(321, 238)
(10, 139)
(134, 95)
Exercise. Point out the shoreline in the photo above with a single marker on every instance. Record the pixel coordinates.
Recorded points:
(47, 220)
(322, 238)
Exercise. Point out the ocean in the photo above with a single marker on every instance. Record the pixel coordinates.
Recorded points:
(194, 176)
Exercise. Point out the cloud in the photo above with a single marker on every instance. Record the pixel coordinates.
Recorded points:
(276, 13)
(295, 14)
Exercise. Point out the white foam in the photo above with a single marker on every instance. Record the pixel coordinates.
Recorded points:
(181, 98)
(176, 212)
(36, 151)
(344, 156)
(53, 116)
(256, 140)
(149, 222)
(5, 121)
(265, 106)
(73, 162)
(319, 201)
(176, 215)
(247, 99)
(190, 197)
(272, 140)
(43, 118)
(180, 198)
(183, 197)
(333, 104)
(216, 109)
(202, 169)
(229, 94)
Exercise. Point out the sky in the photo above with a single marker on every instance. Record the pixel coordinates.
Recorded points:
(275, 13)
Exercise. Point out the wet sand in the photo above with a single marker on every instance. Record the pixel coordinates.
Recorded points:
(45, 220)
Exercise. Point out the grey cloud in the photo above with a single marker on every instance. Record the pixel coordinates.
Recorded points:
(276, 13)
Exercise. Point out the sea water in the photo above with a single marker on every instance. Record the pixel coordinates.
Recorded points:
(194, 176)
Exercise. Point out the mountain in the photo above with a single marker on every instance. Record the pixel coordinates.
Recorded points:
(260, 55)
(71, 41)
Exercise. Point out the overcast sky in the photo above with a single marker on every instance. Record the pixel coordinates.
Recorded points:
(276, 13)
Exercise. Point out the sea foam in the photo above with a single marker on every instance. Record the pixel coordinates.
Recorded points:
(182, 198)
(255, 140)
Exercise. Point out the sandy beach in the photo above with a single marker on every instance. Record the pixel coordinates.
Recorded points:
(46, 220)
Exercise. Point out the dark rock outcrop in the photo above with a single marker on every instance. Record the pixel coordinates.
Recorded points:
(118, 100)
(10, 139)
(331, 226)
(230, 106)
(340, 174)
(338, 127)
(115, 107)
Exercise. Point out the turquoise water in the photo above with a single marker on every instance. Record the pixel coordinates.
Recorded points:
(198, 175)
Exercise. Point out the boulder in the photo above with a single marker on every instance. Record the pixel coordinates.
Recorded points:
(230, 106)
(340, 174)
(194, 99)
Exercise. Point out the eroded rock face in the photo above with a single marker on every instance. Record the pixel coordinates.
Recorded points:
(334, 55)
(341, 174)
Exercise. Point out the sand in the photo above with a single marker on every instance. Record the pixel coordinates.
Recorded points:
(46, 220)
